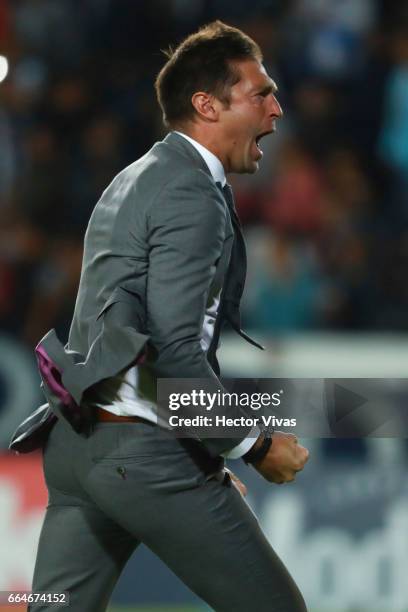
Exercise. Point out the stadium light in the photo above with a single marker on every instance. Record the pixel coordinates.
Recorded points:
(4, 67)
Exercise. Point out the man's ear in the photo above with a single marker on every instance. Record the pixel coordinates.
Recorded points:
(206, 105)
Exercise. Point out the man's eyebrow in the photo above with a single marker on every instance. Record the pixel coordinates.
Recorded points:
(271, 87)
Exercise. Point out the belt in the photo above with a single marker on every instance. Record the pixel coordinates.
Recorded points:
(106, 416)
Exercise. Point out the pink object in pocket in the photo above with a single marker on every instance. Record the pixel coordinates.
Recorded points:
(51, 376)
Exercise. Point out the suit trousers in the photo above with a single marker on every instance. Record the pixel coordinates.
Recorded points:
(134, 482)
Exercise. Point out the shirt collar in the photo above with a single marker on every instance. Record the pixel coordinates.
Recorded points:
(214, 164)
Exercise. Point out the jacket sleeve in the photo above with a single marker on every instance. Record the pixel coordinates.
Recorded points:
(187, 225)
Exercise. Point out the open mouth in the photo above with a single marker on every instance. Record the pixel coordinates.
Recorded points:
(261, 135)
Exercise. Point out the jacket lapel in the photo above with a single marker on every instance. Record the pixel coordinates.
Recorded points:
(234, 282)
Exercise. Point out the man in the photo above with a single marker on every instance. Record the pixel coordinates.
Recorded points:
(163, 268)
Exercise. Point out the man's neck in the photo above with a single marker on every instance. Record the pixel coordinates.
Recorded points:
(204, 139)
(213, 162)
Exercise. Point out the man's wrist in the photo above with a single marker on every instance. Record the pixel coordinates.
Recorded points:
(260, 449)
(237, 452)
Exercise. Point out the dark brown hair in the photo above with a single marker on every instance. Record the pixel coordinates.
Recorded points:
(202, 62)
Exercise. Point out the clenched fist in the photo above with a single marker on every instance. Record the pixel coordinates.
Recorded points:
(284, 458)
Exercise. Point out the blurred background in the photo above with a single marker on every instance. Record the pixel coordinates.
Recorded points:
(326, 225)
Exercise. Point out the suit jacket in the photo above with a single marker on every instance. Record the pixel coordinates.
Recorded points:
(157, 250)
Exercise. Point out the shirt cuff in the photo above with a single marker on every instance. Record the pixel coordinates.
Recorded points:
(243, 447)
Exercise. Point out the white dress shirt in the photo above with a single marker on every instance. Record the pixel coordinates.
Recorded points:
(122, 394)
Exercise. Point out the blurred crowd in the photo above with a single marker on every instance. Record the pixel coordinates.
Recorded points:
(325, 217)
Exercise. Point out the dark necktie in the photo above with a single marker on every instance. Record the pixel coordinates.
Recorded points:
(229, 198)
(238, 262)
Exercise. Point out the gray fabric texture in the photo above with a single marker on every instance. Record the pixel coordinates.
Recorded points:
(133, 482)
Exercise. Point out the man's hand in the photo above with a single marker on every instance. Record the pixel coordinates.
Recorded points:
(284, 458)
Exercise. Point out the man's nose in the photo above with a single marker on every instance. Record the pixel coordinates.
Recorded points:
(276, 109)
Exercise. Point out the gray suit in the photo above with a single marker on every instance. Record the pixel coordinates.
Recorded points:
(157, 249)
(156, 252)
